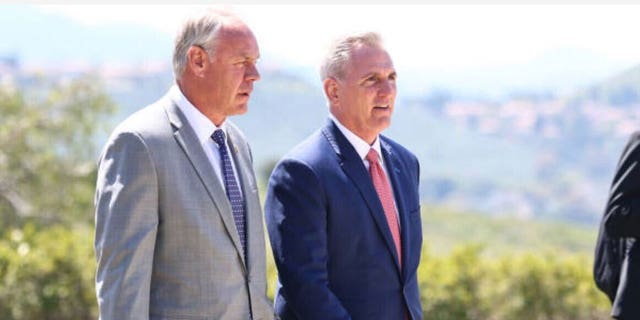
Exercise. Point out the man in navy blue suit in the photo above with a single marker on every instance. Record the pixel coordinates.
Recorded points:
(342, 208)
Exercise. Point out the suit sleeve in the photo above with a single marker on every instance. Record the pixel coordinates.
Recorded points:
(126, 225)
(622, 214)
(296, 216)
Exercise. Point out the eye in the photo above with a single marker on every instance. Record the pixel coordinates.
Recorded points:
(393, 77)
(370, 79)
(246, 63)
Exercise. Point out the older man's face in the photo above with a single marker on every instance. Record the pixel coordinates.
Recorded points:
(366, 94)
(233, 70)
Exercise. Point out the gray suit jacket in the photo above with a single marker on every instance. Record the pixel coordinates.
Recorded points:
(166, 242)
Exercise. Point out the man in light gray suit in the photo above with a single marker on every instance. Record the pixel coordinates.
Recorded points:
(179, 232)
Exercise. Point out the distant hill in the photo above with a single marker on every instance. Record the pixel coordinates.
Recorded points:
(517, 170)
(495, 174)
(445, 229)
(622, 89)
(559, 71)
(34, 35)
(284, 110)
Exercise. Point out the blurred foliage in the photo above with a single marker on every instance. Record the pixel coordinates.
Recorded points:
(480, 267)
(445, 228)
(498, 269)
(466, 285)
(47, 273)
(47, 152)
(47, 181)
(47, 264)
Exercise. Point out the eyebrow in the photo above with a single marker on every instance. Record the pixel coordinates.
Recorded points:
(245, 58)
(374, 73)
(249, 57)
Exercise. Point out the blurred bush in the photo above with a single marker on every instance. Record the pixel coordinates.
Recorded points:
(47, 263)
(47, 180)
(48, 151)
(465, 285)
(47, 273)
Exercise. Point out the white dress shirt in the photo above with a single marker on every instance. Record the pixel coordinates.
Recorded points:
(204, 128)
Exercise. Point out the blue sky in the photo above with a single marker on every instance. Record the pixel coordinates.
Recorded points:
(429, 36)
(490, 49)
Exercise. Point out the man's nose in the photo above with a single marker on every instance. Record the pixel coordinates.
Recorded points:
(386, 88)
(252, 72)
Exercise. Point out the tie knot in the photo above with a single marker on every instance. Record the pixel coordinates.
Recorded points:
(372, 156)
(218, 137)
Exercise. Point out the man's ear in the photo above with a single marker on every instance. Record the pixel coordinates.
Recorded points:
(331, 90)
(197, 60)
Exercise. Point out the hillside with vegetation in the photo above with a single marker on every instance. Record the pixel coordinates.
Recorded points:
(445, 228)
(473, 266)
(622, 90)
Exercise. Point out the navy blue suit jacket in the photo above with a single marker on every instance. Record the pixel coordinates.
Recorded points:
(331, 242)
(617, 256)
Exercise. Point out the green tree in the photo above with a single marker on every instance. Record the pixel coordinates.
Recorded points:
(47, 150)
(47, 180)
(47, 273)
(467, 285)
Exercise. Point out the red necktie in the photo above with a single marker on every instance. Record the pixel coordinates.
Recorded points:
(386, 198)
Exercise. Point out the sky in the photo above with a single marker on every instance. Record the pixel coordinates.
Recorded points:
(477, 49)
(425, 36)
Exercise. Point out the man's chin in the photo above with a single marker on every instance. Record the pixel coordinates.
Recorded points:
(383, 122)
(241, 109)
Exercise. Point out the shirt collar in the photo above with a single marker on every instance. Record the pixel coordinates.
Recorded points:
(361, 146)
(203, 127)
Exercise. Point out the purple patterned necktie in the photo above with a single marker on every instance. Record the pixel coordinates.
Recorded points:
(231, 184)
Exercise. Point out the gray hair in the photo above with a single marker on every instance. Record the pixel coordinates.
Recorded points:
(340, 51)
(200, 30)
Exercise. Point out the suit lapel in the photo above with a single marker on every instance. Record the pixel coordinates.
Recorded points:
(188, 141)
(354, 168)
(393, 169)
